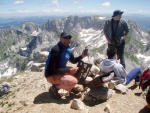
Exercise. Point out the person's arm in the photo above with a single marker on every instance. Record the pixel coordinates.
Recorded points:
(70, 70)
(126, 31)
(120, 72)
(125, 36)
(105, 31)
(75, 59)
(106, 38)
(50, 67)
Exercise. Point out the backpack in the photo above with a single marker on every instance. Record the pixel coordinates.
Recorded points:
(145, 79)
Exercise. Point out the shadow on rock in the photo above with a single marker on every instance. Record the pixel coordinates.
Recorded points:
(46, 97)
(92, 102)
(133, 87)
(144, 110)
(138, 94)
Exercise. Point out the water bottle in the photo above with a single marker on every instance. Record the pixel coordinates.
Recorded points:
(86, 51)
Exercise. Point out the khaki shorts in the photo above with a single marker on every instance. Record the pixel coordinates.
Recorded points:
(66, 82)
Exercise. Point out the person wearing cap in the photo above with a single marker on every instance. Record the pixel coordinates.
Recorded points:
(56, 70)
(116, 31)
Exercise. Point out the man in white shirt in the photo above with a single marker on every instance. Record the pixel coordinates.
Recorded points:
(111, 64)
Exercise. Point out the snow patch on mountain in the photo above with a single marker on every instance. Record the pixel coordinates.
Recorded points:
(145, 58)
(10, 71)
(35, 33)
(144, 40)
(92, 37)
(101, 18)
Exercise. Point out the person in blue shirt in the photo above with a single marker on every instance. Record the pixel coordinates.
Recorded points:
(57, 72)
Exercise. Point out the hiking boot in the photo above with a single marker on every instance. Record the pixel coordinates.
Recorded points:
(74, 91)
(137, 81)
(54, 92)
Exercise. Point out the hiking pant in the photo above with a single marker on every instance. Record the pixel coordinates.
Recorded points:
(66, 81)
(120, 52)
(134, 74)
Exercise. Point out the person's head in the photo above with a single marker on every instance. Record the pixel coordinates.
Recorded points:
(111, 52)
(117, 14)
(65, 38)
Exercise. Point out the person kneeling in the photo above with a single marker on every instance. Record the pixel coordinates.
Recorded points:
(56, 71)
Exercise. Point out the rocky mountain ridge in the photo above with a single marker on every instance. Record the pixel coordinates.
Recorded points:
(24, 44)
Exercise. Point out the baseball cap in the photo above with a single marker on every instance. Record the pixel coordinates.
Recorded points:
(65, 34)
(117, 12)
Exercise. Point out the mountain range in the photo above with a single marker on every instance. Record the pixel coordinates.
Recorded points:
(141, 20)
(22, 44)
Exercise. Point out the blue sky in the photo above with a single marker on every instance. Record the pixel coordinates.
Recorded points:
(11, 8)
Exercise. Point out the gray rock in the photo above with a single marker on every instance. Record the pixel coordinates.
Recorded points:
(4, 88)
(122, 88)
(77, 104)
(107, 108)
(99, 93)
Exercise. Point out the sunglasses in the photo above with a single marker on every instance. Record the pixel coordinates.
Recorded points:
(67, 37)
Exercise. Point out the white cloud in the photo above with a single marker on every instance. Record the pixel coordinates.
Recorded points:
(19, 2)
(79, 7)
(140, 11)
(14, 12)
(106, 4)
(25, 11)
(75, 2)
(46, 11)
(143, 12)
(58, 10)
(55, 3)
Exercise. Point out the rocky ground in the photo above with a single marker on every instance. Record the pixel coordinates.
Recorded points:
(29, 94)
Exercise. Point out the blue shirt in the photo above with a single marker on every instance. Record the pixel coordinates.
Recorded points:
(57, 59)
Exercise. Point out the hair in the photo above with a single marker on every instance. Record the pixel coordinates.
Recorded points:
(111, 51)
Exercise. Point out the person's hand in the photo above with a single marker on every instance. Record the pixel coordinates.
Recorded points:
(73, 70)
(108, 78)
(122, 38)
(83, 53)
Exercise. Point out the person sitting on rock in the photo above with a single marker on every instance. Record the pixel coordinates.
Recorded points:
(112, 64)
(56, 71)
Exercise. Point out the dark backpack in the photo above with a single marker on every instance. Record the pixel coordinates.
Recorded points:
(145, 79)
(115, 40)
(83, 71)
